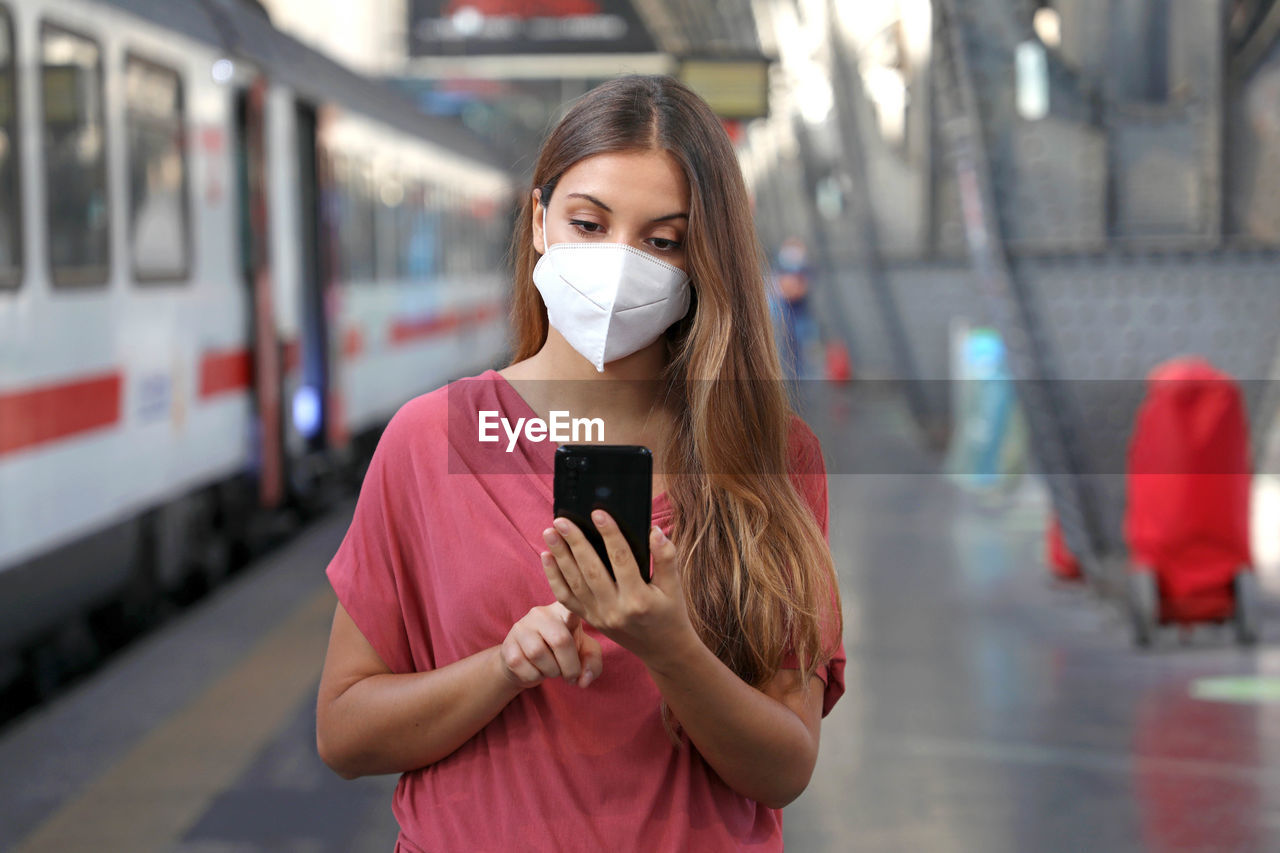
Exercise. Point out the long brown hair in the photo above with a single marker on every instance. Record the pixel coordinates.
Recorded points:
(757, 574)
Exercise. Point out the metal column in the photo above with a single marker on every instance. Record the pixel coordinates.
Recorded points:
(1046, 410)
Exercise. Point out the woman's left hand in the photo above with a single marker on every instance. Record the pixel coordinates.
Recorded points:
(649, 619)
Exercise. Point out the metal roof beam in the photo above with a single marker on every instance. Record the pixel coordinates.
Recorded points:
(540, 67)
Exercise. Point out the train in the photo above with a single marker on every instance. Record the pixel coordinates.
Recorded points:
(225, 261)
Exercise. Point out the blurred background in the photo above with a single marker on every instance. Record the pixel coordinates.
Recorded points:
(1024, 266)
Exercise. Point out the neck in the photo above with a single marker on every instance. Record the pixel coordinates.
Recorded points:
(627, 392)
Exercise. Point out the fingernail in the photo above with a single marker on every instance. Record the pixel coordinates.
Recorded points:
(549, 536)
(586, 679)
(658, 535)
(597, 517)
(561, 525)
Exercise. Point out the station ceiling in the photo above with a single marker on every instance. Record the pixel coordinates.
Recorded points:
(700, 27)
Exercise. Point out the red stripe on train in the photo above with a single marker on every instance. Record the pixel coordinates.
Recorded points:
(41, 415)
(224, 372)
(352, 343)
(405, 331)
(232, 370)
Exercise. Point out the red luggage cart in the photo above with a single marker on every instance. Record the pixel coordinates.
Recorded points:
(1187, 514)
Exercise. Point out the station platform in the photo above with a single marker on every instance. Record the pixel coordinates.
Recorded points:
(987, 709)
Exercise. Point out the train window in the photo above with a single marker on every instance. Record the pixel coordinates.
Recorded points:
(449, 232)
(358, 236)
(414, 252)
(339, 173)
(158, 220)
(344, 178)
(390, 199)
(75, 157)
(368, 216)
(10, 197)
(470, 235)
(402, 222)
(426, 239)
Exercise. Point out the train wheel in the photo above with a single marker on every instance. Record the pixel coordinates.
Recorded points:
(210, 551)
(1143, 603)
(1248, 607)
(71, 650)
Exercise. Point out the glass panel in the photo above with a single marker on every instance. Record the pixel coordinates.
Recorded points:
(357, 239)
(74, 157)
(10, 200)
(390, 199)
(422, 238)
(158, 220)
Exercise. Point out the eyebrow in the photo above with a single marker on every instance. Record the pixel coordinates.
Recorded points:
(607, 209)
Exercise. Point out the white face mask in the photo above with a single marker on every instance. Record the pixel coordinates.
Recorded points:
(608, 300)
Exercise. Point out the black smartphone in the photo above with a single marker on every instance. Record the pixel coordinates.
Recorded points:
(617, 478)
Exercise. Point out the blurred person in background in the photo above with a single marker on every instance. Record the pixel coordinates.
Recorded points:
(530, 699)
(790, 302)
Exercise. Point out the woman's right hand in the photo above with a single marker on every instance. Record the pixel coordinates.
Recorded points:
(549, 642)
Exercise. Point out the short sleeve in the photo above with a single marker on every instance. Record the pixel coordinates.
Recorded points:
(368, 570)
(809, 474)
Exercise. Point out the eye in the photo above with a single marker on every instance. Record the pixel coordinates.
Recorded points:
(586, 226)
(662, 244)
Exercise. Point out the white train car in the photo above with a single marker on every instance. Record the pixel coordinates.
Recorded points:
(224, 262)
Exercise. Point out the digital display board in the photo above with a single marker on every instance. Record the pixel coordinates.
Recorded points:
(496, 27)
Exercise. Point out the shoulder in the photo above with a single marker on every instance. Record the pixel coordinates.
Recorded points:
(414, 444)
(417, 422)
(804, 451)
(424, 420)
(800, 435)
(807, 471)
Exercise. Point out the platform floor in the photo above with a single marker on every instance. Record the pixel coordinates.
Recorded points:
(987, 709)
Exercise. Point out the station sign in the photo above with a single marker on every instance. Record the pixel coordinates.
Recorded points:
(735, 88)
(524, 27)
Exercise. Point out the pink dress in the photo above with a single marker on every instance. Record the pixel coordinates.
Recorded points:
(441, 559)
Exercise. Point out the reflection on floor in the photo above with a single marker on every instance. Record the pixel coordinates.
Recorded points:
(989, 710)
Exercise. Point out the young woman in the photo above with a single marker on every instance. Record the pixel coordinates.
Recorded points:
(530, 700)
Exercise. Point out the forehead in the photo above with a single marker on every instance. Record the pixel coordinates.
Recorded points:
(630, 179)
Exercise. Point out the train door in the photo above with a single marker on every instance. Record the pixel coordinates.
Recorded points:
(264, 340)
(310, 405)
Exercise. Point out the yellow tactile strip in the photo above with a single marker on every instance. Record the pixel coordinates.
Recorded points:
(147, 799)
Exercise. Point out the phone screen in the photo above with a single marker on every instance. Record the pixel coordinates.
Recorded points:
(617, 478)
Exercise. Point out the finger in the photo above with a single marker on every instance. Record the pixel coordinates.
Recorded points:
(591, 656)
(518, 665)
(625, 569)
(562, 644)
(538, 653)
(601, 586)
(666, 575)
(567, 565)
(559, 586)
(570, 619)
